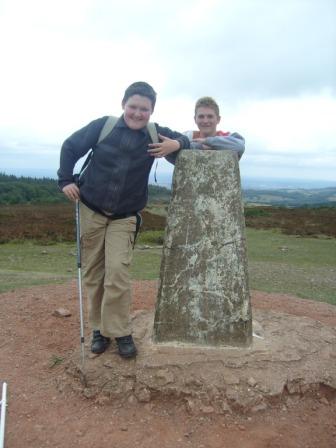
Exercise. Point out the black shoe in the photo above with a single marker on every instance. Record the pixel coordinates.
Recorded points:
(99, 342)
(126, 347)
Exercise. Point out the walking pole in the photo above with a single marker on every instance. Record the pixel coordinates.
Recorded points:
(79, 266)
(3, 414)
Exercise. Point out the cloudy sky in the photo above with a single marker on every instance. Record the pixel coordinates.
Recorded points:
(270, 64)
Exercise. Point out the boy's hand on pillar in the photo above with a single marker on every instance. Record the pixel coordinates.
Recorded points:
(163, 148)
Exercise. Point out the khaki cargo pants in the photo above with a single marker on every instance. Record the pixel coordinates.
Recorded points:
(107, 248)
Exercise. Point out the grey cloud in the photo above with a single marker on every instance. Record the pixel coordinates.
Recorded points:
(245, 48)
(281, 50)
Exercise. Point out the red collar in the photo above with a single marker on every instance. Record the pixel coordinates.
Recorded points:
(196, 134)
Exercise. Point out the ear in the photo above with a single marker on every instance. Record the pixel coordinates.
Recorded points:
(219, 119)
(123, 105)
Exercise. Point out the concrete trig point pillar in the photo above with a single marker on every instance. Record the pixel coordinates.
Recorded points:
(203, 293)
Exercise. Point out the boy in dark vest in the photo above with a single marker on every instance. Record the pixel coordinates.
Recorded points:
(112, 189)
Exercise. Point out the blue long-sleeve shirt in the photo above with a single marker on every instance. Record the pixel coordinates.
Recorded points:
(234, 142)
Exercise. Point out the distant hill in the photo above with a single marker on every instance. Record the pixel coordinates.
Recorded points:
(23, 190)
(291, 197)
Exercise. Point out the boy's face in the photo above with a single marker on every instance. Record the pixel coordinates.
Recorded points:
(137, 111)
(207, 121)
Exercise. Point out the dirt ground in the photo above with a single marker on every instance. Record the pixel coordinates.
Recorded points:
(35, 343)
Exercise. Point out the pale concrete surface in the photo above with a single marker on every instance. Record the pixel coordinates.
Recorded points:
(203, 291)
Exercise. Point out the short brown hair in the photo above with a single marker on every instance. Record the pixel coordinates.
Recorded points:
(207, 101)
(140, 88)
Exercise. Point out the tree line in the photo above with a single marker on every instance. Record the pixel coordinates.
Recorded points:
(30, 190)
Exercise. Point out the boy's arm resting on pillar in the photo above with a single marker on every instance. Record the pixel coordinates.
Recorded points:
(75, 147)
(234, 142)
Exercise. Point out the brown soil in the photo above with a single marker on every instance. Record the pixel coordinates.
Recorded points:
(34, 342)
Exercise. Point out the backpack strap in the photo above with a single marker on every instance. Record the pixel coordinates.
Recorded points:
(107, 128)
(153, 132)
(111, 122)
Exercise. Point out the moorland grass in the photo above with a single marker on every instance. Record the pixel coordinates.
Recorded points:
(304, 267)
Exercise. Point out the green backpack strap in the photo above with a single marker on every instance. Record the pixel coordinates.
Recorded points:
(111, 122)
(153, 132)
(107, 128)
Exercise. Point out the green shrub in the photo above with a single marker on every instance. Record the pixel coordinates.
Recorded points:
(151, 237)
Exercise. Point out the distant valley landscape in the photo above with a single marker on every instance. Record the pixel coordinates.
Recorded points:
(22, 190)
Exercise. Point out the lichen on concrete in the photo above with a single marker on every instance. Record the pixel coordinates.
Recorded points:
(203, 292)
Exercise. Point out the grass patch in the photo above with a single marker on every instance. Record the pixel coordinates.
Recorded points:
(273, 246)
(151, 237)
(146, 264)
(305, 267)
(305, 282)
(30, 256)
(25, 264)
(158, 209)
(11, 280)
(55, 361)
(255, 211)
